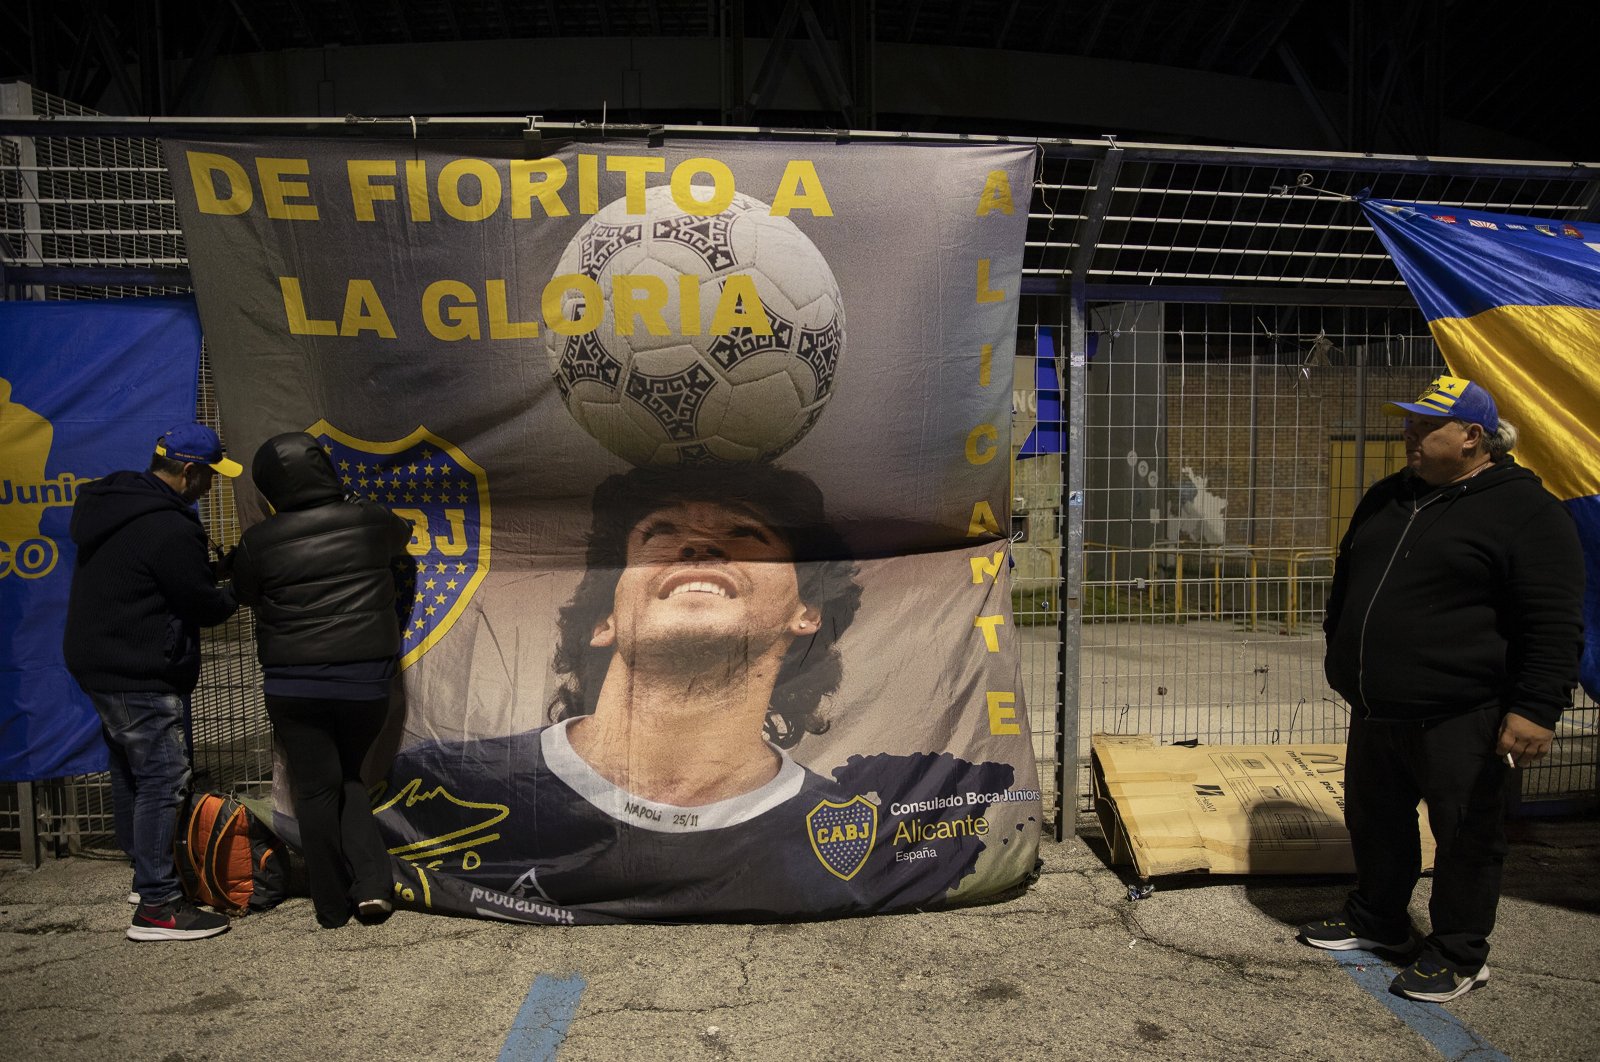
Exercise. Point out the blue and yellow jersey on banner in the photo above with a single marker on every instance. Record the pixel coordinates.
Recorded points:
(1514, 304)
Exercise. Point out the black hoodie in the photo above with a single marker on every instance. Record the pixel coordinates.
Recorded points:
(318, 571)
(141, 589)
(1455, 598)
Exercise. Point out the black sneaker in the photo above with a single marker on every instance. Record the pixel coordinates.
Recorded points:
(1339, 934)
(175, 920)
(1430, 980)
(373, 912)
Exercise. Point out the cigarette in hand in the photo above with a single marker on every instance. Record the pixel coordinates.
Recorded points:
(1510, 761)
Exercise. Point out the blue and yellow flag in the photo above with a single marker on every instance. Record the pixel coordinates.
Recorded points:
(85, 389)
(1514, 304)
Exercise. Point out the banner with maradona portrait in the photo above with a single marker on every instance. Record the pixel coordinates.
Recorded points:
(704, 446)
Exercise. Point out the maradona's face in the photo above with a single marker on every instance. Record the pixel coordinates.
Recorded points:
(701, 575)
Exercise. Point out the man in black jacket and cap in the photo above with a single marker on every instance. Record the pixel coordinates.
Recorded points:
(142, 587)
(1454, 630)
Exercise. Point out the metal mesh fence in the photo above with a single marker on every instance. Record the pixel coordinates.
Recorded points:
(106, 201)
(1240, 328)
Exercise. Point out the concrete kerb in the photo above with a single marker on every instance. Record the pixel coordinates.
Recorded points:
(1204, 968)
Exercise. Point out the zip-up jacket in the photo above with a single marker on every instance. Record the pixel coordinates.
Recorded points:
(318, 570)
(142, 588)
(1450, 599)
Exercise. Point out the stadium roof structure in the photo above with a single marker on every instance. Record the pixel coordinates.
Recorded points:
(1428, 77)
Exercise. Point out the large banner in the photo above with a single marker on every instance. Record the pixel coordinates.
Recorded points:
(86, 388)
(706, 451)
(1514, 303)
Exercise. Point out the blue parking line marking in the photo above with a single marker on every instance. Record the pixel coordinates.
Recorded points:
(541, 1023)
(1432, 1022)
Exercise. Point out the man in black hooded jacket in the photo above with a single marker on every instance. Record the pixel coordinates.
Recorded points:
(142, 587)
(1454, 630)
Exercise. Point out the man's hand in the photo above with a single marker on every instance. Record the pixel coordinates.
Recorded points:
(222, 562)
(1525, 741)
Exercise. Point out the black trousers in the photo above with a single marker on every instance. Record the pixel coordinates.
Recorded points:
(1451, 764)
(324, 742)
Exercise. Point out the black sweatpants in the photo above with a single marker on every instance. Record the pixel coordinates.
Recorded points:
(324, 742)
(1451, 764)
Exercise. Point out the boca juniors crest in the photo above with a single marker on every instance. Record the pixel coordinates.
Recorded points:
(445, 496)
(842, 834)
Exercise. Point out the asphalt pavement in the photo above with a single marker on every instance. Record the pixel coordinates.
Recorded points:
(1204, 968)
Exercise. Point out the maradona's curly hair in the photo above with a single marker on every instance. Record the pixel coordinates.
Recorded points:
(790, 505)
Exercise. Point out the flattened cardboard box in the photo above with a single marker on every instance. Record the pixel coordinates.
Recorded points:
(1227, 809)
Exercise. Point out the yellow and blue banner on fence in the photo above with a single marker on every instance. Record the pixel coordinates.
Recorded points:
(1514, 304)
(86, 388)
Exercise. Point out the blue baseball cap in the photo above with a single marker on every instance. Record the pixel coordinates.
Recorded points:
(197, 444)
(1453, 398)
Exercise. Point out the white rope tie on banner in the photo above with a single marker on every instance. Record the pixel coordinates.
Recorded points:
(413, 126)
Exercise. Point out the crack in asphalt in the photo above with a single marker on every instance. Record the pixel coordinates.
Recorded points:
(701, 1011)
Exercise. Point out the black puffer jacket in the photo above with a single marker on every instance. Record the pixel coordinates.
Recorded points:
(319, 570)
(1455, 598)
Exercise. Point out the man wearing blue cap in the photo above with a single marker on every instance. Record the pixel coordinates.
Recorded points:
(1454, 630)
(142, 587)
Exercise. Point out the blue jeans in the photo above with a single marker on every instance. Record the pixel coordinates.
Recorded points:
(147, 734)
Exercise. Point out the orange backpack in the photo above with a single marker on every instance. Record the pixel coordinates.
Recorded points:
(228, 858)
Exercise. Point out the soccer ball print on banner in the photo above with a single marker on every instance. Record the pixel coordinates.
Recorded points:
(740, 330)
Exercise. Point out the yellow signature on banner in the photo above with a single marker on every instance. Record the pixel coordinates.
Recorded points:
(429, 850)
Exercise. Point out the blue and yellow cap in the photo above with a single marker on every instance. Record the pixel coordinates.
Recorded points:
(1456, 399)
(197, 444)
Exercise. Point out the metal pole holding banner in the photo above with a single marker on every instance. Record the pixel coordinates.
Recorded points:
(1071, 595)
(1076, 377)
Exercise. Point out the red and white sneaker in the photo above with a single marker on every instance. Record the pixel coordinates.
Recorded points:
(175, 920)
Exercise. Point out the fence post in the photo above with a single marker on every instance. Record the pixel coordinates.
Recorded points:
(1071, 614)
(1292, 612)
(1255, 578)
(28, 825)
(1177, 585)
(1095, 208)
